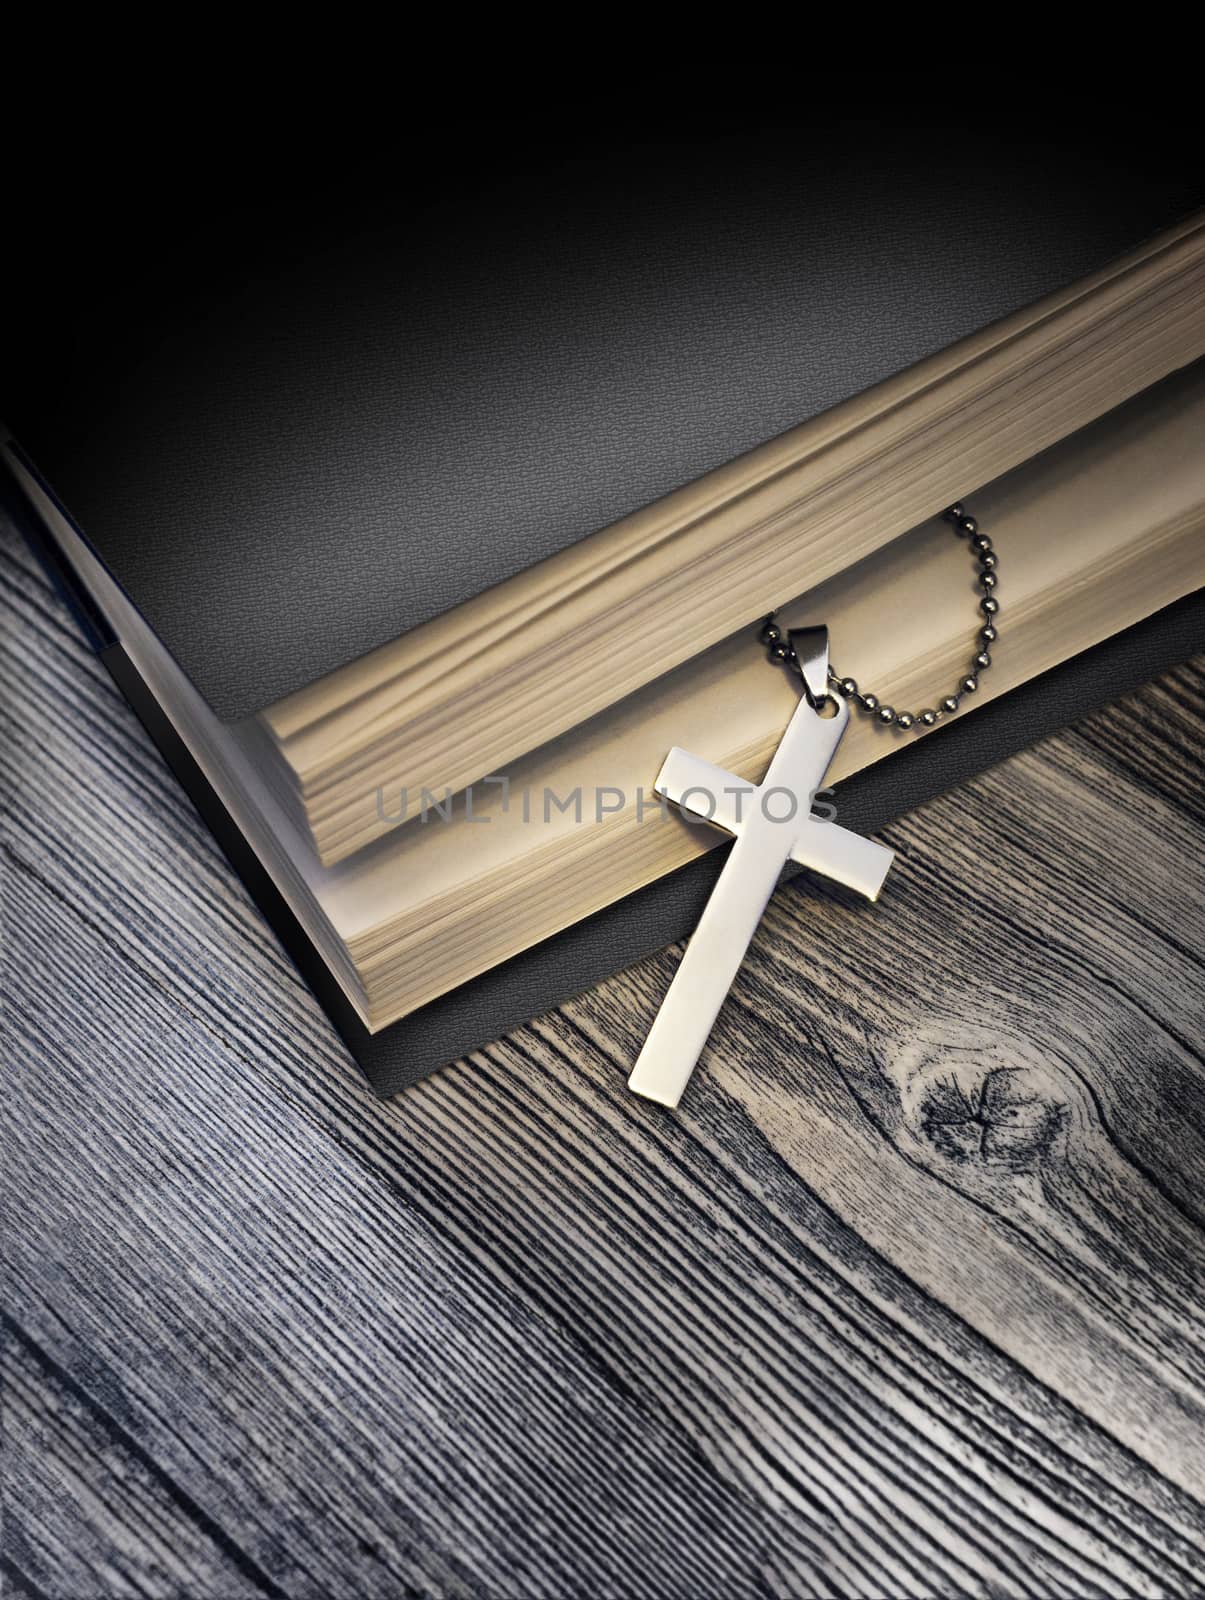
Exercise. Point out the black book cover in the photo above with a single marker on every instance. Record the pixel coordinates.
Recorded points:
(296, 418)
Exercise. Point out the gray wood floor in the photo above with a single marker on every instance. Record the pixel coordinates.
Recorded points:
(906, 1301)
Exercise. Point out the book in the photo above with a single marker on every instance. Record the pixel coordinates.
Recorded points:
(428, 928)
(482, 683)
(461, 880)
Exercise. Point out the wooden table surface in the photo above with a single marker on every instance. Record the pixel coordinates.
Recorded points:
(905, 1301)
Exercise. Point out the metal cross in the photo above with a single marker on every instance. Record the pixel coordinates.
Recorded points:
(773, 824)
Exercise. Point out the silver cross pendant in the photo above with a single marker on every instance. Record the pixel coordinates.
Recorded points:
(773, 824)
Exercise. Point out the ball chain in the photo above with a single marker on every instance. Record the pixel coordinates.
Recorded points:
(779, 648)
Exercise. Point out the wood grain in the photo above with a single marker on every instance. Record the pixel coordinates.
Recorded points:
(906, 1301)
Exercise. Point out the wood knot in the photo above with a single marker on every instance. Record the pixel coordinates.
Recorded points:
(1005, 1119)
(982, 1103)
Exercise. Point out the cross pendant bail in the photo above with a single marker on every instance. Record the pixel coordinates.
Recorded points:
(811, 653)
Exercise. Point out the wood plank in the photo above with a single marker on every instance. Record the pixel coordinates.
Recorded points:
(905, 1300)
(71, 1464)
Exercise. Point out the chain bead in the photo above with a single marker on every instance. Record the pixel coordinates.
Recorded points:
(967, 527)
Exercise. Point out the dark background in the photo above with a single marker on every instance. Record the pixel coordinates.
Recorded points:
(305, 387)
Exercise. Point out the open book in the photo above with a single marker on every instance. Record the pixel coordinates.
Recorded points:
(472, 788)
